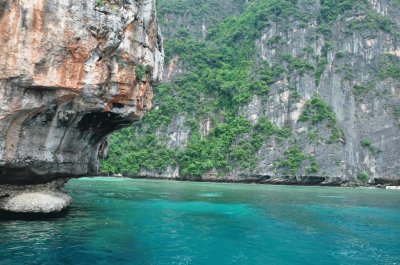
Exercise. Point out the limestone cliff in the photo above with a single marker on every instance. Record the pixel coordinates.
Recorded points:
(298, 92)
(71, 72)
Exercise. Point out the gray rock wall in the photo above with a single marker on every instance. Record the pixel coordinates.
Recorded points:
(369, 142)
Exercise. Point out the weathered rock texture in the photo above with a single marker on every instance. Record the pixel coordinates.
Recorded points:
(355, 59)
(367, 119)
(71, 72)
(42, 198)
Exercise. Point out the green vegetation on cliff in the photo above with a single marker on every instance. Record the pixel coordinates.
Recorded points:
(317, 111)
(222, 77)
(217, 70)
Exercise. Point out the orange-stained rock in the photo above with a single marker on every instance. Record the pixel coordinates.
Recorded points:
(67, 80)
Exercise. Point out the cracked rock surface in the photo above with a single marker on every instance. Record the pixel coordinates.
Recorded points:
(71, 72)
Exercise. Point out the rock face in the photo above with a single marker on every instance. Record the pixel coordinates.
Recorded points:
(339, 59)
(355, 58)
(71, 72)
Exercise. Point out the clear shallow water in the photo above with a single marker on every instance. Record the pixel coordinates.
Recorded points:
(123, 221)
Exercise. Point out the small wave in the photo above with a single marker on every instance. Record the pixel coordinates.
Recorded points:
(211, 194)
(113, 179)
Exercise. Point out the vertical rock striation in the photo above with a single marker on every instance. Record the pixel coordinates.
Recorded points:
(71, 72)
(320, 98)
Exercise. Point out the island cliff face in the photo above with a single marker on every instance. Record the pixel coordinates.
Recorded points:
(272, 91)
(71, 72)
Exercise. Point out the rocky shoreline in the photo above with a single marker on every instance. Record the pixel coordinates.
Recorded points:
(50, 198)
(289, 180)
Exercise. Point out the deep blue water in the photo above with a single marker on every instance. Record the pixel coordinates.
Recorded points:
(123, 221)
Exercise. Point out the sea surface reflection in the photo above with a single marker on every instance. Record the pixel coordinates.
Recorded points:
(124, 221)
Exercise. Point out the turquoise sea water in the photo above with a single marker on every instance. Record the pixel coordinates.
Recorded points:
(123, 221)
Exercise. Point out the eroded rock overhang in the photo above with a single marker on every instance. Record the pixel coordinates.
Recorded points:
(71, 72)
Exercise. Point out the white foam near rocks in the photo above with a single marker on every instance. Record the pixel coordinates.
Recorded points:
(36, 202)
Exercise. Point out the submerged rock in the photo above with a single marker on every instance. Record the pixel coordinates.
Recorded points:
(43, 198)
(36, 202)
